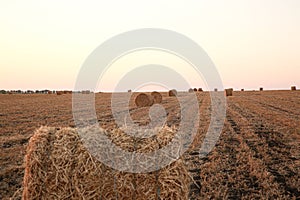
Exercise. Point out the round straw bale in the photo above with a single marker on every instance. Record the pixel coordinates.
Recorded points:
(242, 90)
(293, 88)
(144, 100)
(58, 166)
(200, 90)
(85, 92)
(157, 97)
(59, 92)
(191, 90)
(216, 89)
(228, 92)
(173, 93)
(195, 90)
(261, 89)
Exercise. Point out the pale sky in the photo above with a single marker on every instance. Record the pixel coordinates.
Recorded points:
(253, 43)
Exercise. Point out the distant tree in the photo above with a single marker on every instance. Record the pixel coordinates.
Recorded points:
(3, 92)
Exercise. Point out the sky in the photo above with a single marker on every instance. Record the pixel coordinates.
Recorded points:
(253, 43)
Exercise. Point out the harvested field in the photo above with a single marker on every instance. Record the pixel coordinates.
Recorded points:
(257, 155)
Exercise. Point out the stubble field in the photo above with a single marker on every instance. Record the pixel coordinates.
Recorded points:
(256, 156)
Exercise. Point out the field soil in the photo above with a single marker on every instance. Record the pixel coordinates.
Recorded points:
(256, 157)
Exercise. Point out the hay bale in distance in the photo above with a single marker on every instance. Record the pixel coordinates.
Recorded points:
(195, 90)
(191, 90)
(129, 91)
(173, 93)
(59, 92)
(157, 97)
(58, 166)
(216, 89)
(144, 100)
(293, 88)
(228, 92)
(242, 90)
(261, 89)
(200, 90)
(86, 92)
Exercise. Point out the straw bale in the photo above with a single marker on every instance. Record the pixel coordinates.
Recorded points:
(144, 100)
(229, 92)
(157, 97)
(173, 93)
(58, 166)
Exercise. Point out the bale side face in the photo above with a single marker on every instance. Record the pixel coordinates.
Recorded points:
(229, 92)
(58, 166)
(144, 100)
(157, 97)
(172, 93)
